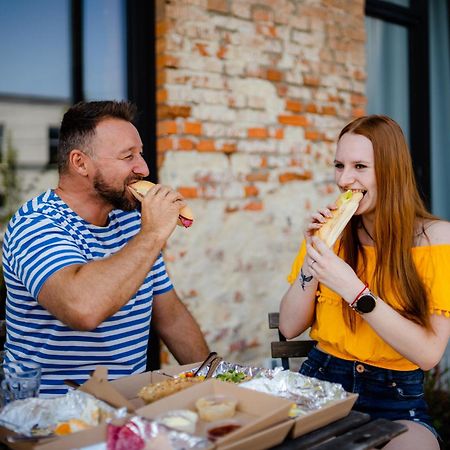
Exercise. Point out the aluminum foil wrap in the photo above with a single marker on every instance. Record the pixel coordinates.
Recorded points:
(139, 434)
(40, 416)
(225, 366)
(308, 393)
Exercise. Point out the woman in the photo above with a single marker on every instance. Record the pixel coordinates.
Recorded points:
(391, 264)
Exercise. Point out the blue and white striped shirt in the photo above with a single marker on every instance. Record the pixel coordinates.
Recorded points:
(44, 236)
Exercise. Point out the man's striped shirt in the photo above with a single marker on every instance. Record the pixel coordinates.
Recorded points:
(44, 236)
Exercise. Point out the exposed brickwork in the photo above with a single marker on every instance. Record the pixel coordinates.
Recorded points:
(251, 96)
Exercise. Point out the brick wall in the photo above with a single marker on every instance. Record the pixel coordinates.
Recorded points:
(251, 96)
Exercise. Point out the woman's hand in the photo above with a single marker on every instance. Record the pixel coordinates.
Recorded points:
(331, 270)
(318, 219)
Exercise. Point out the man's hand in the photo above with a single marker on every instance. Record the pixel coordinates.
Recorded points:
(160, 210)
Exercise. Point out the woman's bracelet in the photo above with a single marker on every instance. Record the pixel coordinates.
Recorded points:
(359, 295)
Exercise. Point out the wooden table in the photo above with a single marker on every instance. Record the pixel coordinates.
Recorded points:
(354, 432)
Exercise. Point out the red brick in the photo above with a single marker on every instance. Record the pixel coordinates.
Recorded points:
(313, 135)
(358, 100)
(267, 30)
(229, 147)
(206, 146)
(160, 78)
(293, 176)
(329, 111)
(161, 28)
(188, 191)
(164, 144)
(166, 127)
(296, 121)
(279, 133)
(359, 75)
(220, 6)
(358, 112)
(160, 46)
(309, 80)
(202, 49)
(254, 206)
(311, 108)
(221, 53)
(185, 144)
(251, 191)
(193, 128)
(172, 112)
(274, 75)
(231, 209)
(262, 15)
(257, 176)
(294, 106)
(161, 96)
(257, 133)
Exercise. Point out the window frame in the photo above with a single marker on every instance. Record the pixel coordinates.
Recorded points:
(415, 19)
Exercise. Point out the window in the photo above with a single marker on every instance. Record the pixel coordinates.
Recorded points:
(53, 137)
(35, 48)
(104, 43)
(398, 76)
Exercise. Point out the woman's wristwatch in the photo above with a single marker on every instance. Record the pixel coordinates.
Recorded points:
(364, 302)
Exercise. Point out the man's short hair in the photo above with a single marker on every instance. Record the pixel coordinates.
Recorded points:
(79, 123)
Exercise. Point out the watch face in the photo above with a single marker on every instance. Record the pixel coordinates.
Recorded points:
(365, 304)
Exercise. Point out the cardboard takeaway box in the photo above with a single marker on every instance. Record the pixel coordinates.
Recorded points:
(264, 418)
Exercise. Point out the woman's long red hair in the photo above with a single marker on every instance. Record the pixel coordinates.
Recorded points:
(398, 208)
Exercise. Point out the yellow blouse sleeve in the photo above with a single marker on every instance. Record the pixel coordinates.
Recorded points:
(437, 278)
(297, 264)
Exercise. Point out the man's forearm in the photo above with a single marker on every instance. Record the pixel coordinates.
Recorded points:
(178, 329)
(84, 296)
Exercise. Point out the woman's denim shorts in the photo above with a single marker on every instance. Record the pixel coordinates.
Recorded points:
(383, 393)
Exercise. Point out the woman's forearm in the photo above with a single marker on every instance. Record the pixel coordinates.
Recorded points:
(298, 305)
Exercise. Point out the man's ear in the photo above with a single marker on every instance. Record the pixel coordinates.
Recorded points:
(78, 162)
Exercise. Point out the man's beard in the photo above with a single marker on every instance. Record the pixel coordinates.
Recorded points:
(117, 198)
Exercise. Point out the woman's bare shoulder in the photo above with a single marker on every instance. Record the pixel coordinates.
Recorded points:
(437, 232)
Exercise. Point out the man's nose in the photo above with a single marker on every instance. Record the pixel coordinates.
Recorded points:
(141, 168)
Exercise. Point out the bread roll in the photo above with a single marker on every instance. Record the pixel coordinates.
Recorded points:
(347, 204)
(140, 188)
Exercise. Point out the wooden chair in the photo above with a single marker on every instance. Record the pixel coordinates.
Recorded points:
(287, 349)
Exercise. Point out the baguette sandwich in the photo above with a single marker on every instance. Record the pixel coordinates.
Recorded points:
(140, 188)
(347, 204)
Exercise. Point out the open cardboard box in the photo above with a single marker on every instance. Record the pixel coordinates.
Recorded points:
(255, 411)
(329, 413)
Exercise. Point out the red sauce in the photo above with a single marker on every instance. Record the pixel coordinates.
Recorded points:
(222, 430)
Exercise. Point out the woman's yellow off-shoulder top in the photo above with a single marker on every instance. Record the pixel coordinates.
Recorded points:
(335, 338)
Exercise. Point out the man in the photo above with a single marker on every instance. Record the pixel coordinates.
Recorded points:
(83, 268)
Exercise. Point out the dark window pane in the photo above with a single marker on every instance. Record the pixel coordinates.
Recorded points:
(34, 48)
(104, 34)
(53, 137)
(388, 71)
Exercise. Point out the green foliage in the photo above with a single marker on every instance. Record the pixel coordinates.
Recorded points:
(437, 394)
(10, 188)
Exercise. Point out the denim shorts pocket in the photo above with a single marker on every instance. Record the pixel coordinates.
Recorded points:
(309, 369)
(409, 391)
(409, 388)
